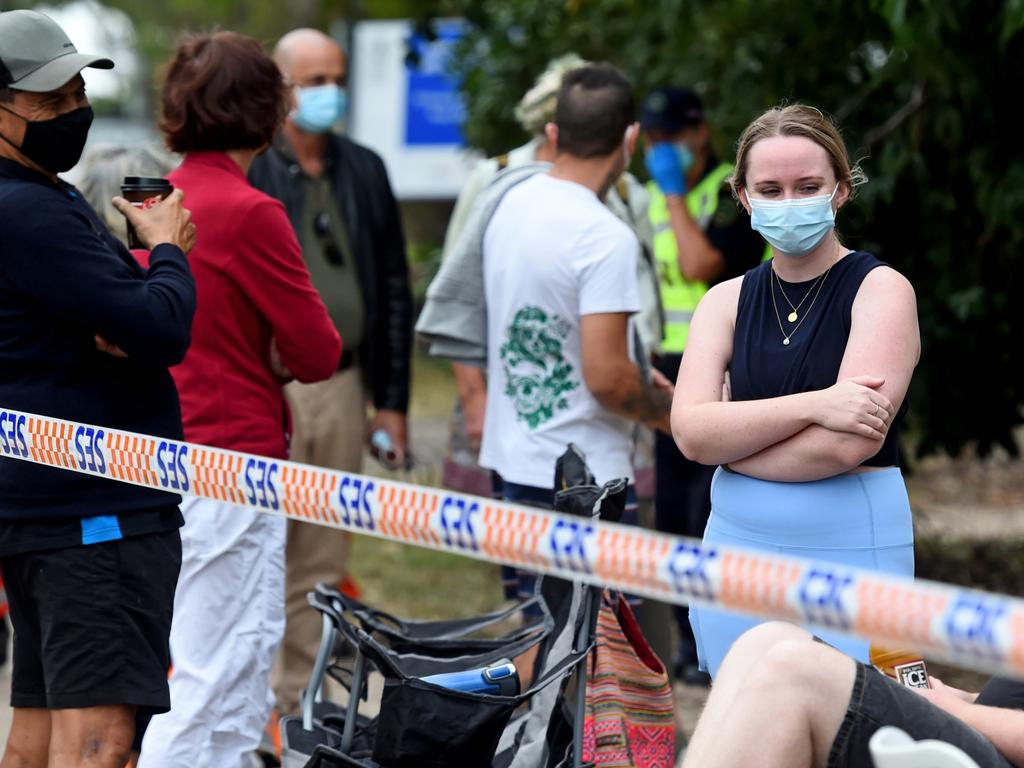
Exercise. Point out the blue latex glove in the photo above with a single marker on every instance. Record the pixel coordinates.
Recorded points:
(666, 168)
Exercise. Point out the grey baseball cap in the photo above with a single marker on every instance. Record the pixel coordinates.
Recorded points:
(36, 55)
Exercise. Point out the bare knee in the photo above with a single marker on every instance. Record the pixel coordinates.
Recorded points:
(17, 755)
(110, 746)
(810, 680)
(813, 671)
(29, 740)
(755, 643)
(97, 737)
(773, 632)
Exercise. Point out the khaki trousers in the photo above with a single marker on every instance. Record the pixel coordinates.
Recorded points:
(329, 430)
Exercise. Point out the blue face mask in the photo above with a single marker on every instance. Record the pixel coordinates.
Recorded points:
(795, 226)
(685, 155)
(319, 107)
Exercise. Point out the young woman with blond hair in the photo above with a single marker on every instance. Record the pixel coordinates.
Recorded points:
(795, 376)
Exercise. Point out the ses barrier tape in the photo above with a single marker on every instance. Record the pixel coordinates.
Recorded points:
(965, 627)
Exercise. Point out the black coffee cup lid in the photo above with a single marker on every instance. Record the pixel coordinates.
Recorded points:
(146, 181)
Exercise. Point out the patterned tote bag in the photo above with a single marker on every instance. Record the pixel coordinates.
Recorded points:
(630, 718)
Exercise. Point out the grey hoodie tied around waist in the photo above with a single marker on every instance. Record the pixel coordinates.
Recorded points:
(454, 318)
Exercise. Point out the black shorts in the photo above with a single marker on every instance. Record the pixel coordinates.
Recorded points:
(92, 624)
(876, 701)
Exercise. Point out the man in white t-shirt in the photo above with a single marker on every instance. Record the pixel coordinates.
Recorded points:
(561, 287)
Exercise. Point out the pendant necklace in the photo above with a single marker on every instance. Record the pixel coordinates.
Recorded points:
(792, 317)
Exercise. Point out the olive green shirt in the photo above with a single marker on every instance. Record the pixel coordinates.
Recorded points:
(328, 255)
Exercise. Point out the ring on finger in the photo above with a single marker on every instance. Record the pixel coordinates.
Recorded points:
(875, 412)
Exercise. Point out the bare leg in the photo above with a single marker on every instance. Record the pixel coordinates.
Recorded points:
(733, 677)
(93, 737)
(778, 702)
(29, 739)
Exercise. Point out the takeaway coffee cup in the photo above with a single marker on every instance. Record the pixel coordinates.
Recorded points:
(137, 190)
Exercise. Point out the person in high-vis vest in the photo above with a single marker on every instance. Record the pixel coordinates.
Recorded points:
(699, 240)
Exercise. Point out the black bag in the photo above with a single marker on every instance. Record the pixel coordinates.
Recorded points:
(328, 757)
(577, 492)
(422, 725)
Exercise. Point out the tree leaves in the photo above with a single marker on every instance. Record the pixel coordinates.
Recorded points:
(926, 94)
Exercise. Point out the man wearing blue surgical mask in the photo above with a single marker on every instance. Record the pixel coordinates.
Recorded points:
(700, 238)
(341, 205)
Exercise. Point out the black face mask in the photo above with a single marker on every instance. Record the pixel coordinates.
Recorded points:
(56, 144)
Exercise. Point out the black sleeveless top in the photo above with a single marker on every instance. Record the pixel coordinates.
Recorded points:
(763, 367)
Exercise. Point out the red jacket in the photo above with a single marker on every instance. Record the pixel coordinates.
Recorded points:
(252, 286)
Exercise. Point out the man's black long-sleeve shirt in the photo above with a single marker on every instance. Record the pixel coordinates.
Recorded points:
(64, 279)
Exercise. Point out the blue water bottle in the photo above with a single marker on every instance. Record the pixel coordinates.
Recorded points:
(499, 679)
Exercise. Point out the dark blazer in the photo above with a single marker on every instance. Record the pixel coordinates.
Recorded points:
(360, 182)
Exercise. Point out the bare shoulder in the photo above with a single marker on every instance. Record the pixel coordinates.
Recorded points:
(886, 282)
(722, 299)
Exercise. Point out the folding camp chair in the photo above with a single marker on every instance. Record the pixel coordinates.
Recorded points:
(424, 725)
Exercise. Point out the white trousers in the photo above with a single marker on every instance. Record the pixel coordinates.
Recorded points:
(228, 623)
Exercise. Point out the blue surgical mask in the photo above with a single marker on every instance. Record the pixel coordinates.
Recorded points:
(685, 155)
(319, 107)
(795, 226)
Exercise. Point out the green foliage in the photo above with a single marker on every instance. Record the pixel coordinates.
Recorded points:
(980, 564)
(424, 262)
(926, 94)
(160, 24)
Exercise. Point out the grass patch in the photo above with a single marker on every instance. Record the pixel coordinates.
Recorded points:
(433, 386)
(413, 582)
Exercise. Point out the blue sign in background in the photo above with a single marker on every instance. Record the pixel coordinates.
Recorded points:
(434, 111)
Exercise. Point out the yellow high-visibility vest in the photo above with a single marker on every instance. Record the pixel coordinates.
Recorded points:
(679, 296)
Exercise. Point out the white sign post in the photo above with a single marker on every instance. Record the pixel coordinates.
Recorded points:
(411, 114)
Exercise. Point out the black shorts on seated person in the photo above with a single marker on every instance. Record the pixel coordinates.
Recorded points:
(92, 624)
(1002, 692)
(877, 701)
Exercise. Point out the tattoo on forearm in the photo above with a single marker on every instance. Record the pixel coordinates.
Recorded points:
(645, 402)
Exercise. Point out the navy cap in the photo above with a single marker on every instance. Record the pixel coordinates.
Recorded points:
(671, 109)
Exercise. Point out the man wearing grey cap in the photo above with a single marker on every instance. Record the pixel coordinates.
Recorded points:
(86, 335)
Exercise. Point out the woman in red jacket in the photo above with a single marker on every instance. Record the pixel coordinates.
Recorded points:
(259, 321)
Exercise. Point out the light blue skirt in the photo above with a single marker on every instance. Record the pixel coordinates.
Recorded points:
(862, 520)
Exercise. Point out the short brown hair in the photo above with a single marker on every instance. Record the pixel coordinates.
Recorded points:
(594, 108)
(797, 120)
(221, 92)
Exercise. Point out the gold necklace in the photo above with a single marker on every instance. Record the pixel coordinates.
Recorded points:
(775, 303)
(792, 316)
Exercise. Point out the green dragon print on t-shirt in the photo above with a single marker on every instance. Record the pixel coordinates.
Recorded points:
(536, 372)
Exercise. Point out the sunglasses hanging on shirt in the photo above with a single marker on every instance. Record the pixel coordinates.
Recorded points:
(322, 228)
